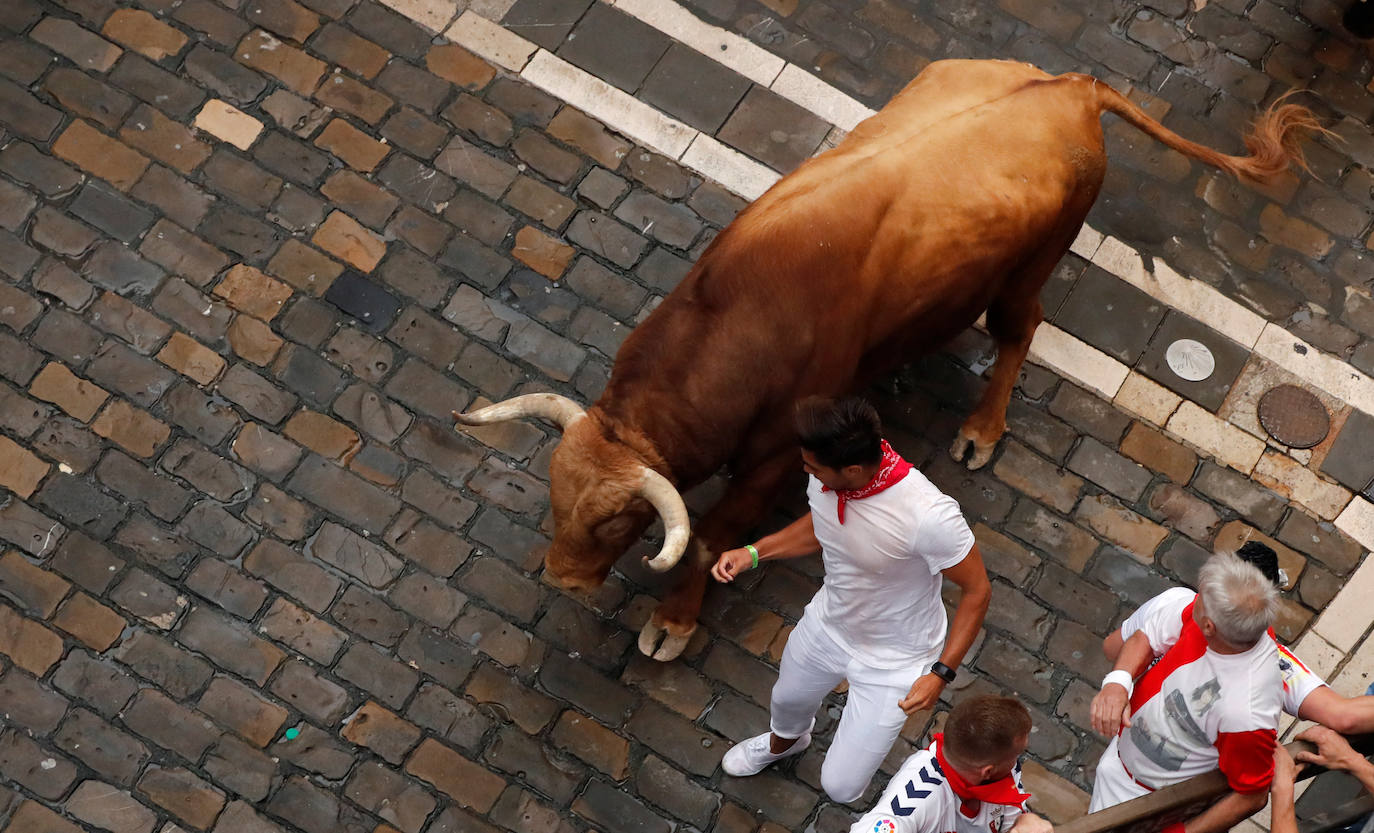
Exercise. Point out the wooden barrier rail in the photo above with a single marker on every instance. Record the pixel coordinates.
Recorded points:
(1180, 802)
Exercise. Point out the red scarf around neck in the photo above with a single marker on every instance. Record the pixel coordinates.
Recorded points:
(1001, 791)
(891, 470)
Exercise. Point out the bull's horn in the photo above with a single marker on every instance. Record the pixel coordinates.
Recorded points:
(656, 489)
(559, 410)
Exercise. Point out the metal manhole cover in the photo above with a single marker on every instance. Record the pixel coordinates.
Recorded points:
(1190, 359)
(1293, 416)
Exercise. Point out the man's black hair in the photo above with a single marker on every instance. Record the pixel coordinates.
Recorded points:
(1262, 556)
(840, 432)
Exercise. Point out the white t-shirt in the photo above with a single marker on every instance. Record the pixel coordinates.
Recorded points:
(1197, 710)
(1298, 680)
(881, 596)
(919, 800)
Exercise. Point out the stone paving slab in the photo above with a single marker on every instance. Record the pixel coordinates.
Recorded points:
(252, 580)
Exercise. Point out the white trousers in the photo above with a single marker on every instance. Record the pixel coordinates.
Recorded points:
(812, 665)
(1113, 784)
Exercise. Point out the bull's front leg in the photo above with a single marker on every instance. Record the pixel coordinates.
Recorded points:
(748, 497)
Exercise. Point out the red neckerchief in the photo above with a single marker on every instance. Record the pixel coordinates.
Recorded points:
(1001, 791)
(891, 470)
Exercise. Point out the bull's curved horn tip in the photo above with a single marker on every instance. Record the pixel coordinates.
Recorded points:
(661, 493)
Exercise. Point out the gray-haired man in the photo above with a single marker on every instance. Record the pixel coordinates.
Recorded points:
(1210, 701)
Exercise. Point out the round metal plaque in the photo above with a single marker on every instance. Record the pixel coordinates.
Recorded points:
(1190, 359)
(1293, 416)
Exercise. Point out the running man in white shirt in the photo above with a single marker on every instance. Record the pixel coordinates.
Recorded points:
(887, 538)
(1305, 694)
(1210, 701)
(967, 781)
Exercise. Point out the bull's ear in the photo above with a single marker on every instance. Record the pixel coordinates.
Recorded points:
(615, 528)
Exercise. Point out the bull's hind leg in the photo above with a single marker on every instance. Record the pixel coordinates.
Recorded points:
(1012, 325)
(746, 499)
(1012, 319)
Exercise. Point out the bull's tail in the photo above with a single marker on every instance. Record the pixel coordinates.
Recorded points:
(1274, 140)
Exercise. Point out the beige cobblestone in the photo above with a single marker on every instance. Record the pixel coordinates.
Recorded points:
(137, 431)
(326, 437)
(253, 340)
(77, 396)
(143, 33)
(228, 123)
(31, 646)
(343, 237)
(1129, 530)
(252, 291)
(190, 358)
(107, 158)
(20, 469)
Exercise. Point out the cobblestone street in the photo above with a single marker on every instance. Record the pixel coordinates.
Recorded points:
(254, 252)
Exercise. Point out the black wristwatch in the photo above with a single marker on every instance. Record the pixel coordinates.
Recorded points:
(943, 671)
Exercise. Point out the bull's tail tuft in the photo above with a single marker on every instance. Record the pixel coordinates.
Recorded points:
(1274, 141)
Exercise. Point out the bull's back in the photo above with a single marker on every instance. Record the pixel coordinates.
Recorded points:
(912, 222)
(928, 206)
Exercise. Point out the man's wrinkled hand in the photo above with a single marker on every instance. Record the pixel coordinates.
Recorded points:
(730, 564)
(1031, 823)
(1111, 710)
(923, 694)
(1333, 750)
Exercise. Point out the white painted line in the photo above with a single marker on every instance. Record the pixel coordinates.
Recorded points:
(1348, 615)
(434, 15)
(1303, 486)
(1086, 243)
(1077, 360)
(488, 40)
(1218, 438)
(720, 45)
(1317, 368)
(609, 105)
(801, 87)
(1147, 399)
(1186, 295)
(1357, 521)
(1358, 672)
(727, 166)
(1319, 655)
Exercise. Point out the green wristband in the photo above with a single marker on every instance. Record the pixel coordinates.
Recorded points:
(753, 551)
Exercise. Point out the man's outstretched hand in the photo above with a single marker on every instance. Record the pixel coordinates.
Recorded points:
(730, 564)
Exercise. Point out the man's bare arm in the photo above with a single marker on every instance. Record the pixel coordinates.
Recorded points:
(975, 595)
(1347, 715)
(796, 539)
(1227, 813)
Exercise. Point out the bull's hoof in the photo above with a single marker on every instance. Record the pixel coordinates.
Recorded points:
(659, 643)
(981, 451)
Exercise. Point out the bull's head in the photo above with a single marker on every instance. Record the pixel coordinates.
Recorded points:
(603, 494)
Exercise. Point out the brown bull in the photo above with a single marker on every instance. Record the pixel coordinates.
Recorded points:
(960, 196)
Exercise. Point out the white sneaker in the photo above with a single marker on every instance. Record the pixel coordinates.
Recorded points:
(749, 757)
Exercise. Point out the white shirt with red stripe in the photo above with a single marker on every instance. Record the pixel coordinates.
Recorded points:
(1298, 680)
(1196, 710)
(918, 799)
